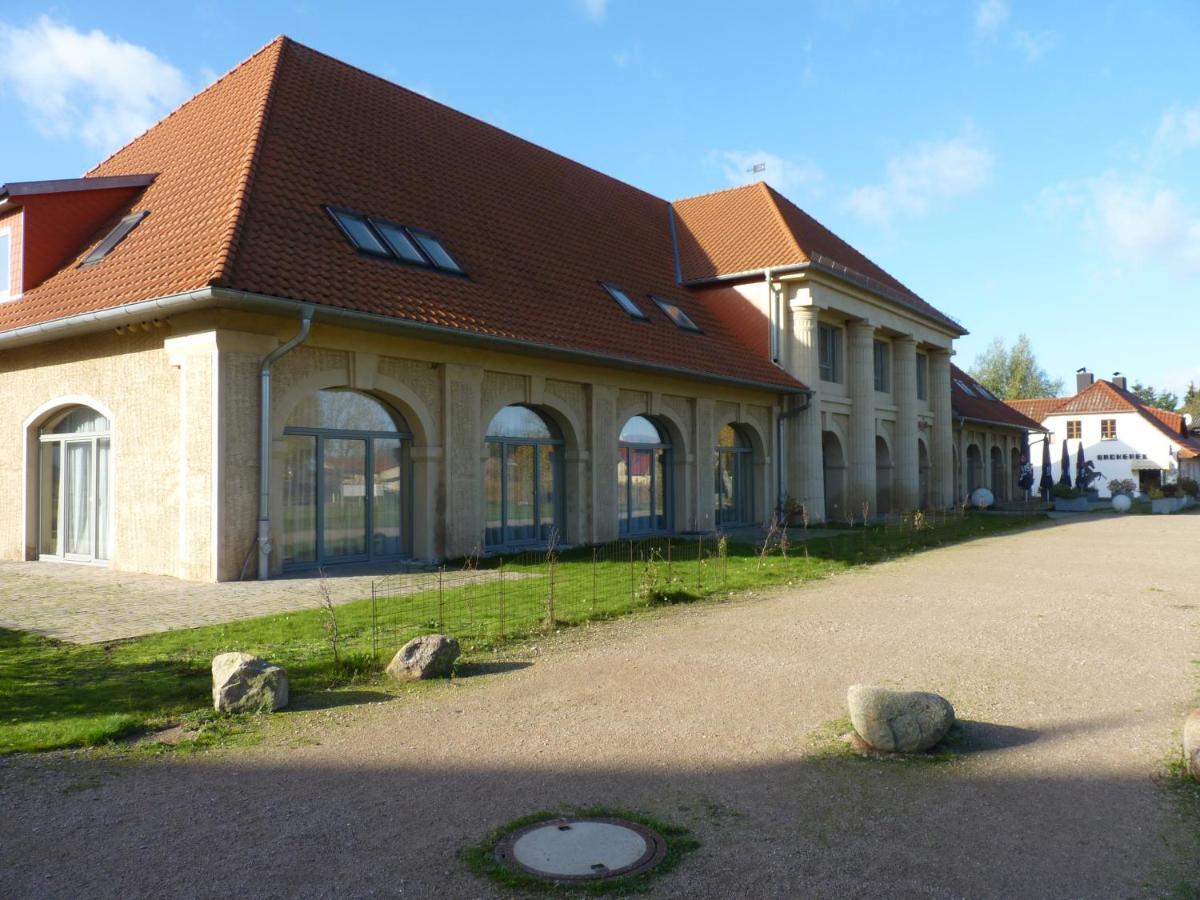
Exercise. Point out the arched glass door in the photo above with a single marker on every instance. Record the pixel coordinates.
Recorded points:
(734, 488)
(345, 481)
(73, 487)
(521, 478)
(643, 468)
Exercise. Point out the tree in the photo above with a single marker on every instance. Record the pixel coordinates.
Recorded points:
(1191, 403)
(1164, 400)
(1014, 374)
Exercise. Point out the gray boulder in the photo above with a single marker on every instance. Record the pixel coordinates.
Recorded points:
(245, 683)
(1191, 743)
(428, 656)
(899, 721)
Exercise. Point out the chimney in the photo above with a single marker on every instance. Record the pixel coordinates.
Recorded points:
(1083, 380)
(1120, 381)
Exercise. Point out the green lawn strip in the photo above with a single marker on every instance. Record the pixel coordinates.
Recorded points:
(58, 695)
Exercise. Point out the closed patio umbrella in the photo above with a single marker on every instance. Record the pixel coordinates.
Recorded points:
(1080, 473)
(1047, 483)
(1065, 478)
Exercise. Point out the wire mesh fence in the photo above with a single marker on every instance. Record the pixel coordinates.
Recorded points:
(496, 598)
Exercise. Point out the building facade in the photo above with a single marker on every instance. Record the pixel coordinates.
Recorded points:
(1121, 435)
(313, 318)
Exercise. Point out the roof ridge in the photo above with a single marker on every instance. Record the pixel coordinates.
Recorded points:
(725, 190)
(790, 236)
(223, 269)
(280, 39)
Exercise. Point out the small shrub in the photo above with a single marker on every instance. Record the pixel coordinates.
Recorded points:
(1121, 486)
(1063, 492)
(1170, 490)
(1190, 487)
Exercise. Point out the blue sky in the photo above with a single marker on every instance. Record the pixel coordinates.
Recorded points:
(1023, 166)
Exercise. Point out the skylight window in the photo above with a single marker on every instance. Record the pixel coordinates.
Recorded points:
(964, 387)
(676, 315)
(623, 300)
(435, 251)
(399, 242)
(988, 394)
(360, 233)
(379, 237)
(114, 237)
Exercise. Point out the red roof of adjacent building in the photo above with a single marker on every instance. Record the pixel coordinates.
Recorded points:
(980, 405)
(245, 169)
(748, 229)
(1105, 397)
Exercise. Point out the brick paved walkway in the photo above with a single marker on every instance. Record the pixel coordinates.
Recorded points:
(87, 605)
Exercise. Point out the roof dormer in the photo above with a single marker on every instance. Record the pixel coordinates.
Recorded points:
(46, 224)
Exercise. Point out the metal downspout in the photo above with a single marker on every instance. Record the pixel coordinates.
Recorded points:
(264, 441)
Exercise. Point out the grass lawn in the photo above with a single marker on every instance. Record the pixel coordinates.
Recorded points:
(57, 695)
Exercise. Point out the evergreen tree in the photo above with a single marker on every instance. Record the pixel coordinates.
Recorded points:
(1162, 400)
(1191, 403)
(1014, 374)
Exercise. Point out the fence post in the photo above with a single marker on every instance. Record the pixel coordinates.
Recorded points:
(668, 563)
(502, 630)
(441, 598)
(550, 593)
(593, 581)
(632, 587)
(700, 565)
(374, 626)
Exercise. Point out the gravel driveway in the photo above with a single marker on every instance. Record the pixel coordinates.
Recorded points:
(1067, 649)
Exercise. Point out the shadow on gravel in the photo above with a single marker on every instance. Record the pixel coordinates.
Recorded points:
(334, 699)
(474, 669)
(970, 736)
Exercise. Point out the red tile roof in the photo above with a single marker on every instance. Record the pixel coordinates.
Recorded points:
(246, 166)
(980, 408)
(1036, 409)
(1105, 397)
(747, 229)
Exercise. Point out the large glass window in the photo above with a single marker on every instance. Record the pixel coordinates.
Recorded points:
(73, 487)
(345, 481)
(829, 352)
(734, 488)
(883, 367)
(922, 376)
(643, 466)
(522, 474)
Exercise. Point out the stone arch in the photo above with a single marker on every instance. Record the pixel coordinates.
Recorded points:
(30, 428)
(975, 472)
(999, 478)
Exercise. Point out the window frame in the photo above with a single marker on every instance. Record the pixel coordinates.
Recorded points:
(836, 335)
(881, 355)
(558, 475)
(1108, 429)
(418, 233)
(389, 253)
(626, 302)
(660, 455)
(1074, 429)
(923, 376)
(47, 436)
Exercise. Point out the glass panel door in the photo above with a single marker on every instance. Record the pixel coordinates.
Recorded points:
(493, 494)
(50, 481)
(641, 467)
(660, 490)
(519, 492)
(300, 499)
(78, 508)
(547, 501)
(102, 498)
(623, 489)
(344, 500)
(387, 465)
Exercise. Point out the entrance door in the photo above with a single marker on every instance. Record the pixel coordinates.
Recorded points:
(73, 504)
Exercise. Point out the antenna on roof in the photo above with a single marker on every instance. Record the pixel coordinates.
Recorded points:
(757, 167)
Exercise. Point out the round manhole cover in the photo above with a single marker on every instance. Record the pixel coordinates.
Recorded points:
(582, 849)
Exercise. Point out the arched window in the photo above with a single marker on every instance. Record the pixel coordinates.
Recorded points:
(643, 470)
(521, 478)
(73, 487)
(834, 469)
(734, 487)
(345, 481)
(999, 477)
(974, 468)
(883, 477)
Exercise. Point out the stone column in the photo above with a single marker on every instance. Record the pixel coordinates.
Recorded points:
(462, 477)
(604, 430)
(942, 437)
(804, 460)
(704, 440)
(906, 474)
(860, 370)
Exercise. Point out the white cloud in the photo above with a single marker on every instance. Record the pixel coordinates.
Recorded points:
(595, 10)
(86, 85)
(920, 178)
(990, 17)
(1178, 130)
(1033, 45)
(785, 175)
(1143, 220)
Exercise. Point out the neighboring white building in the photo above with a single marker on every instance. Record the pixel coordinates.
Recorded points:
(1121, 435)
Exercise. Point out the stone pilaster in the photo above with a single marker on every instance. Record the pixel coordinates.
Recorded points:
(804, 462)
(605, 432)
(860, 370)
(942, 434)
(906, 476)
(462, 478)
